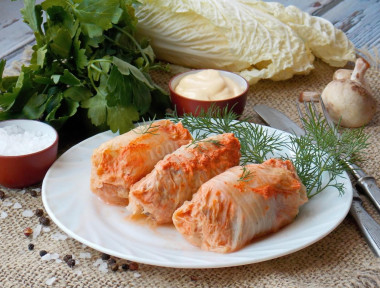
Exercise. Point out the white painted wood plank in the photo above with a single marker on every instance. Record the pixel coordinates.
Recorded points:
(360, 20)
(14, 33)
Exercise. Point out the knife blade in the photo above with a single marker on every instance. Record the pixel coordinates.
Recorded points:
(369, 227)
(278, 120)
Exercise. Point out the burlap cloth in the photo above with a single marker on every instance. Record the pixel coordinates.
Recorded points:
(341, 259)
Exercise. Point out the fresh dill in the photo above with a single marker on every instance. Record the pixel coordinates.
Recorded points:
(196, 141)
(321, 152)
(246, 175)
(148, 127)
(316, 155)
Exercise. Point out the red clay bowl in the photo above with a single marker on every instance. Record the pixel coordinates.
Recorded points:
(20, 171)
(186, 105)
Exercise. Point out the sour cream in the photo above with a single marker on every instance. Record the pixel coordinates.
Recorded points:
(208, 85)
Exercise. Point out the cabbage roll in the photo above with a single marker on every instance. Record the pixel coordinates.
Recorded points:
(243, 203)
(125, 159)
(179, 175)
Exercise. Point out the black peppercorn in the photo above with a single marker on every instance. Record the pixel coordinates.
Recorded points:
(114, 267)
(67, 258)
(111, 261)
(125, 266)
(39, 212)
(71, 263)
(44, 221)
(30, 246)
(2, 194)
(43, 253)
(33, 193)
(105, 256)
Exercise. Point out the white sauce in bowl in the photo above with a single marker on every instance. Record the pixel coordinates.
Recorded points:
(208, 85)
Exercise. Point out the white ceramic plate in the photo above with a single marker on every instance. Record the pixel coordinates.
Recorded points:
(74, 208)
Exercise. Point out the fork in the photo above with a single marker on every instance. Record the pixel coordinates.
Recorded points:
(365, 182)
(368, 226)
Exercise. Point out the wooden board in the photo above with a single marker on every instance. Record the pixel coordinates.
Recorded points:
(360, 21)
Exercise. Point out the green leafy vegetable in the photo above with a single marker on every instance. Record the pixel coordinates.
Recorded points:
(85, 58)
(314, 155)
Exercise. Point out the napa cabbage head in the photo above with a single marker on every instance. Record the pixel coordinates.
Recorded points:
(259, 40)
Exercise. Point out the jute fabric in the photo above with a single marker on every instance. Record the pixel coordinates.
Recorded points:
(341, 259)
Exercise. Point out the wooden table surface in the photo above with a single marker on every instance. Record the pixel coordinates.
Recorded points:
(360, 21)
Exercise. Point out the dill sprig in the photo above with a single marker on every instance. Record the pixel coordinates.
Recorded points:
(319, 156)
(321, 152)
(246, 175)
(196, 141)
(147, 127)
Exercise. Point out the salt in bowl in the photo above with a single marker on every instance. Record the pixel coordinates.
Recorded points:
(27, 149)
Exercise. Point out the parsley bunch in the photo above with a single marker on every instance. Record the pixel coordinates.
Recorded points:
(85, 58)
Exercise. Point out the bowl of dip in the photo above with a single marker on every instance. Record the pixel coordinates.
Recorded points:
(197, 90)
(27, 150)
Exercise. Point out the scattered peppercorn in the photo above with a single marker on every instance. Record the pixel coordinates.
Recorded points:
(105, 256)
(33, 193)
(39, 212)
(44, 221)
(31, 246)
(111, 261)
(28, 231)
(125, 266)
(114, 267)
(71, 263)
(2, 194)
(67, 258)
(134, 266)
(43, 253)
(193, 278)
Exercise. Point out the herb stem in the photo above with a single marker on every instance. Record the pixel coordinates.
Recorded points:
(136, 44)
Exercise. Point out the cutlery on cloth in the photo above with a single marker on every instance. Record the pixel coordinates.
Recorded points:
(280, 121)
(369, 227)
(365, 182)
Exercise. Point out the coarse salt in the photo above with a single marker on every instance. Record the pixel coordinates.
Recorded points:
(137, 275)
(46, 229)
(7, 203)
(84, 255)
(103, 267)
(14, 141)
(27, 213)
(50, 281)
(77, 272)
(98, 262)
(17, 205)
(46, 257)
(58, 236)
(37, 231)
(3, 214)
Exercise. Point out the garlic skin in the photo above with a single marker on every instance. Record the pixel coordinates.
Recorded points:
(348, 99)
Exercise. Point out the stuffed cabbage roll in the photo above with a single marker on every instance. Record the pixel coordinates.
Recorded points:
(125, 159)
(175, 178)
(241, 204)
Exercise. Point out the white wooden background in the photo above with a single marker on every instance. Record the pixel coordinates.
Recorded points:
(359, 19)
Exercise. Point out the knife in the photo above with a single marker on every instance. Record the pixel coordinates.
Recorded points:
(369, 227)
(276, 119)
